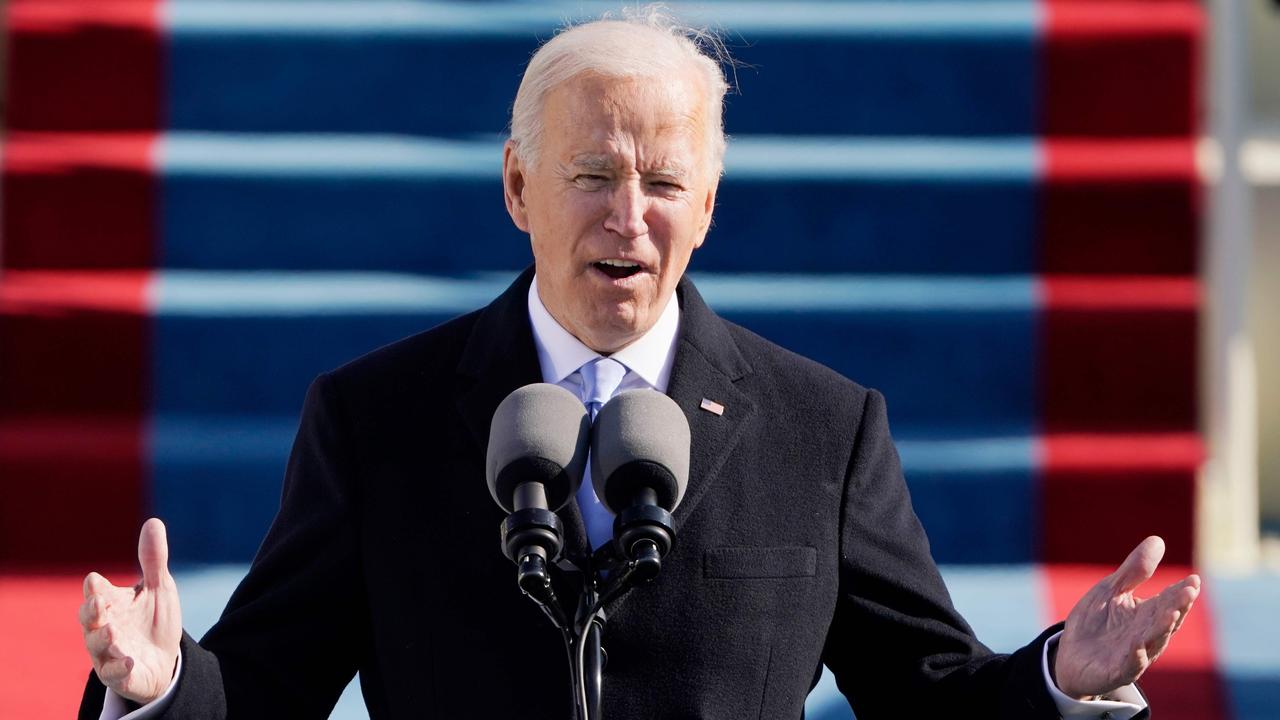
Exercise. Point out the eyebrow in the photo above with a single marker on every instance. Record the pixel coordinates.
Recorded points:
(604, 163)
(671, 171)
(598, 163)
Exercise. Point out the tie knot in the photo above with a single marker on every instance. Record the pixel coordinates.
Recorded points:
(600, 380)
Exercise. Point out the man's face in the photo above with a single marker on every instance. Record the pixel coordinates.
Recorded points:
(621, 195)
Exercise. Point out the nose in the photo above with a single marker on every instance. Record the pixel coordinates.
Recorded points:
(627, 205)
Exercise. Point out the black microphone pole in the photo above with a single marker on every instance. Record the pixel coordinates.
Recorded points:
(593, 668)
(588, 664)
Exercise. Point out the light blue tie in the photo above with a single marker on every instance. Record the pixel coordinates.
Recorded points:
(600, 380)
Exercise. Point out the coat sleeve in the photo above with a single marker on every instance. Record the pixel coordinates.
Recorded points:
(896, 645)
(296, 629)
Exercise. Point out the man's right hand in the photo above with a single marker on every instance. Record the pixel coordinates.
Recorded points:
(133, 633)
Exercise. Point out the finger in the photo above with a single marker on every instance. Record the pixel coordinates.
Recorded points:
(1170, 607)
(92, 612)
(1178, 596)
(1161, 632)
(153, 553)
(95, 584)
(114, 672)
(1139, 566)
(102, 645)
(1187, 602)
(1183, 616)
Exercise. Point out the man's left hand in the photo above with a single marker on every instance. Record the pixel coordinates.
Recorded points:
(1111, 636)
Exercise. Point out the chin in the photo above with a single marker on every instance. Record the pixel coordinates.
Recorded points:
(613, 330)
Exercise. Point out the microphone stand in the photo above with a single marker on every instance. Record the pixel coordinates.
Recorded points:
(588, 661)
(605, 579)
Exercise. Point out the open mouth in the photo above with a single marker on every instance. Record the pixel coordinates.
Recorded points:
(618, 269)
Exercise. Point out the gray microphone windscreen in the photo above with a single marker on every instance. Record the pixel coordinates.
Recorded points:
(640, 440)
(539, 433)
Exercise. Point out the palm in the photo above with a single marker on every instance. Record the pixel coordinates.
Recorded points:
(1112, 636)
(132, 633)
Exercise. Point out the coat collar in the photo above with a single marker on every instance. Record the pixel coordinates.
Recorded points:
(500, 357)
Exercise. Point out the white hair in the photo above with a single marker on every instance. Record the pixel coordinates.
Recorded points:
(646, 42)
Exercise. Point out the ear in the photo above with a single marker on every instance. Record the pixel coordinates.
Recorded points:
(708, 207)
(513, 186)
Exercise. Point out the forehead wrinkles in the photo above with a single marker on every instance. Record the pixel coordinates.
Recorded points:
(637, 106)
(671, 147)
(610, 123)
(646, 107)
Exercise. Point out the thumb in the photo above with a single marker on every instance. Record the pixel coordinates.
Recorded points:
(1140, 565)
(153, 553)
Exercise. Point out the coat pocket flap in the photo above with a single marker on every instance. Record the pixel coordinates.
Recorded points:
(759, 562)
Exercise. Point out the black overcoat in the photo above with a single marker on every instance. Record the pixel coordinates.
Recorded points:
(797, 546)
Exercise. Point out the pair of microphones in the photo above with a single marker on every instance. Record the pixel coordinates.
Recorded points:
(539, 442)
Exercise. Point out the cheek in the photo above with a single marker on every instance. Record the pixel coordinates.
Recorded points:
(678, 228)
(587, 208)
(572, 214)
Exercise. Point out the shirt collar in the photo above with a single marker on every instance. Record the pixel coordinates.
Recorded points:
(561, 354)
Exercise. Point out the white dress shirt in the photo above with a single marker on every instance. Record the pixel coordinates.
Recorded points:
(648, 361)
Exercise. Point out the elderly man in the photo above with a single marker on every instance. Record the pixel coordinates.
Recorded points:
(797, 543)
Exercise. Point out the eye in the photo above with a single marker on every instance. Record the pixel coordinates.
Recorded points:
(667, 185)
(590, 180)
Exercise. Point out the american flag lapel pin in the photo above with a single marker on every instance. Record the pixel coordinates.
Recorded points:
(712, 407)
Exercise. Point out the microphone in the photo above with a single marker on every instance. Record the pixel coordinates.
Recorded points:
(538, 442)
(639, 469)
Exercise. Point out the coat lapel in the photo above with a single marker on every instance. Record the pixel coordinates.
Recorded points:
(499, 358)
(708, 363)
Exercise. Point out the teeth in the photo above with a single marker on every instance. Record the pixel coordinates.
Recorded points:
(620, 263)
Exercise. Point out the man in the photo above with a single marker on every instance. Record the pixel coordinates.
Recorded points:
(797, 545)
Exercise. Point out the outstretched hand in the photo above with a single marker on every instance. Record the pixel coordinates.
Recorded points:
(132, 633)
(1111, 636)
